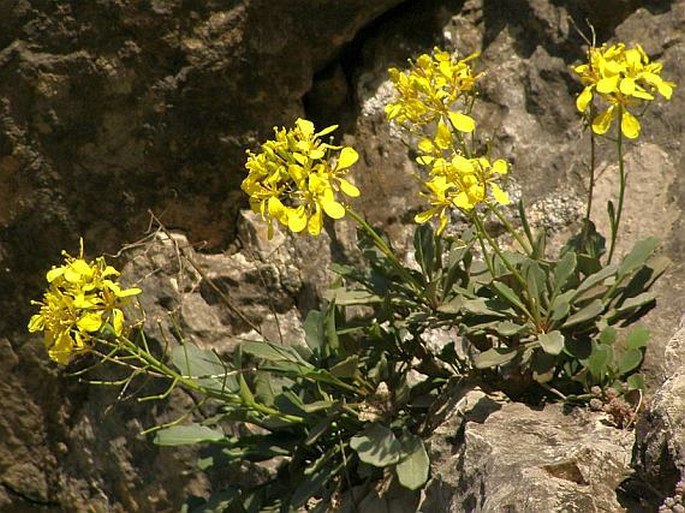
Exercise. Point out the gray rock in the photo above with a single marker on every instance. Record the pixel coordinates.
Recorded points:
(509, 457)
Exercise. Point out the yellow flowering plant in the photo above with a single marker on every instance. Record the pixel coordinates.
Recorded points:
(82, 299)
(349, 406)
(296, 178)
(620, 79)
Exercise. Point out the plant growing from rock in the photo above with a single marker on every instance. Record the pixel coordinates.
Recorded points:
(346, 410)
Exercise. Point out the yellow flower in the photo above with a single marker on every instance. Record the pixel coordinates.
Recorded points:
(81, 299)
(461, 183)
(430, 89)
(296, 178)
(624, 78)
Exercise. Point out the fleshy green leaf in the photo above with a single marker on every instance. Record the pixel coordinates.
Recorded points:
(596, 278)
(591, 311)
(348, 368)
(205, 368)
(552, 342)
(560, 309)
(608, 335)
(635, 302)
(636, 382)
(598, 363)
(313, 330)
(505, 292)
(638, 255)
(564, 270)
(345, 297)
(630, 360)
(187, 435)
(377, 446)
(638, 337)
(413, 469)
(424, 248)
(508, 329)
(493, 357)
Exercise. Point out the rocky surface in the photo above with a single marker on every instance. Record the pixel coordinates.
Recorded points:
(111, 108)
(490, 456)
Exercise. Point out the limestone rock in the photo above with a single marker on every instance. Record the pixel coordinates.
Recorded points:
(513, 458)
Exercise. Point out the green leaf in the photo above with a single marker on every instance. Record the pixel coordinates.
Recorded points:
(596, 278)
(344, 297)
(638, 255)
(638, 337)
(377, 446)
(274, 353)
(552, 342)
(455, 269)
(187, 435)
(493, 357)
(310, 486)
(564, 270)
(348, 368)
(508, 329)
(205, 368)
(413, 469)
(505, 292)
(536, 280)
(453, 306)
(629, 361)
(608, 335)
(599, 360)
(588, 313)
(635, 302)
(560, 309)
(424, 248)
(313, 330)
(580, 349)
(481, 307)
(636, 382)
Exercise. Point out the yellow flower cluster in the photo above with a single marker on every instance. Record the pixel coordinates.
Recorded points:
(459, 182)
(623, 78)
(426, 97)
(82, 298)
(295, 178)
(429, 89)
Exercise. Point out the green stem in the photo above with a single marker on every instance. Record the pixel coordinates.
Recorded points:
(384, 248)
(616, 221)
(533, 307)
(525, 247)
(586, 221)
(160, 367)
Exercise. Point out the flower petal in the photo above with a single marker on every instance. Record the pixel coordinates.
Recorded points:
(500, 196)
(630, 126)
(332, 208)
(584, 99)
(297, 219)
(601, 123)
(462, 122)
(348, 188)
(347, 158)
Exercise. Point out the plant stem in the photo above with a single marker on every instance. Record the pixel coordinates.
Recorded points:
(533, 306)
(383, 247)
(615, 222)
(160, 367)
(586, 221)
(525, 247)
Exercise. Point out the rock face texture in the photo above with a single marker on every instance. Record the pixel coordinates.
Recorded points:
(111, 108)
(509, 457)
